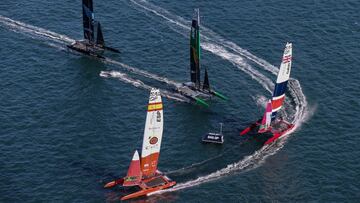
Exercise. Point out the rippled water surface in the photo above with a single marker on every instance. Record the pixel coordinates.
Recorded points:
(66, 129)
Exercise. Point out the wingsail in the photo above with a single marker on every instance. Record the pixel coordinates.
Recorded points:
(88, 19)
(195, 50)
(152, 134)
(281, 81)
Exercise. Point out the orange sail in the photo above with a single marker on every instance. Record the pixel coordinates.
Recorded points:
(133, 176)
(152, 134)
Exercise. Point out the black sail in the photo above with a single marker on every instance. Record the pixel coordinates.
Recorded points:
(88, 18)
(206, 85)
(195, 51)
(99, 37)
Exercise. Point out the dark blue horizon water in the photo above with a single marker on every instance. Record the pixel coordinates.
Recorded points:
(65, 130)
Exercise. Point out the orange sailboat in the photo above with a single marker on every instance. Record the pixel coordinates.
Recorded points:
(143, 173)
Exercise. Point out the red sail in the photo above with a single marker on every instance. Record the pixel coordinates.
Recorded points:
(133, 176)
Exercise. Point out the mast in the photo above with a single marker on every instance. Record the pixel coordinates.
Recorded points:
(88, 18)
(195, 50)
(281, 81)
(152, 134)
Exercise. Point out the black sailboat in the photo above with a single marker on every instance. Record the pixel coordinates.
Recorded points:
(91, 45)
(194, 89)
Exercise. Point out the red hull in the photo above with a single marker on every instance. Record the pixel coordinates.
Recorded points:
(114, 183)
(276, 133)
(146, 188)
(149, 185)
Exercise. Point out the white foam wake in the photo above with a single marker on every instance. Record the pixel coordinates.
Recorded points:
(138, 83)
(142, 72)
(182, 27)
(33, 30)
(240, 63)
(248, 162)
(236, 55)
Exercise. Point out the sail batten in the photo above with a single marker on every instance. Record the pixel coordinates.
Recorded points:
(152, 134)
(282, 81)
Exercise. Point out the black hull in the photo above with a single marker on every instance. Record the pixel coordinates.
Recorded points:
(112, 49)
(86, 52)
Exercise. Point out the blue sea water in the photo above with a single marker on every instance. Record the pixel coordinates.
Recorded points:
(65, 130)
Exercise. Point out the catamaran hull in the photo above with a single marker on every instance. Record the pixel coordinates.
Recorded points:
(146, 191)
(279, 134)
(275, 134)
(144, 188)
(114, 183)
(84, 51)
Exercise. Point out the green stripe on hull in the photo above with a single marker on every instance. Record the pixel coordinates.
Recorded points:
(201, 102)
(220, 95)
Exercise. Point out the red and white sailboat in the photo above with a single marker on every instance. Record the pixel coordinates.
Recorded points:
(270, 124)
(143, 173)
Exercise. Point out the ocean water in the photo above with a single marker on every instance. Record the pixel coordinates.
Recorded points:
(65, 130)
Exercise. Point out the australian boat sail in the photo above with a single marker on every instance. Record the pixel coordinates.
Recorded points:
(195, 90)
(143, 174)
(93, 43)
(271, 127)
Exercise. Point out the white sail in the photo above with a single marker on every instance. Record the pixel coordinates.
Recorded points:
(152, 134)
(285, 67)
(282, 80)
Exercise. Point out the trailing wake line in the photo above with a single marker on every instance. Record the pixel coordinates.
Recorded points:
(138, 83)
(34, 31)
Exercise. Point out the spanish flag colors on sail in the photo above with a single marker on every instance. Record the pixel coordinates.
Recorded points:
(282, 80)
(152, 134)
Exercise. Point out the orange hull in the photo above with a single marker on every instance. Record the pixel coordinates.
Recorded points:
(147, 188)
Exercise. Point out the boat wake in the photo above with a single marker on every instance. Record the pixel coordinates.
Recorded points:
(59, 41)
(142, 72)
(239, 57)
(34, 31)
(138, 83)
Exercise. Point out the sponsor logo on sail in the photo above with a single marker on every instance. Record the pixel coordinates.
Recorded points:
(153, 140)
